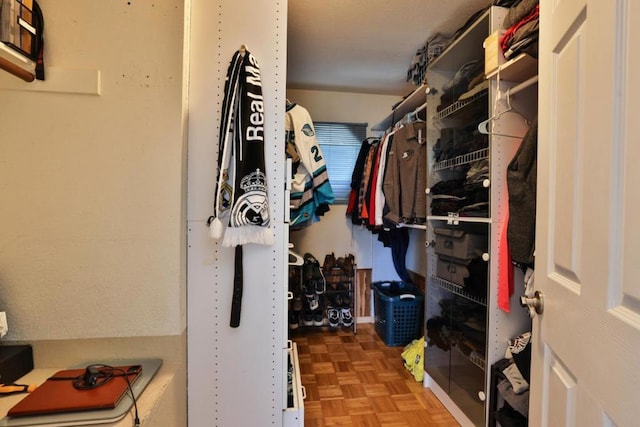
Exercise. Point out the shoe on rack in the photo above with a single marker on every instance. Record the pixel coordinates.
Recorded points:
(314, 302)
(333, 315)
(311, 267)
(312, 274)
(308, 288)
(294, 319)
(297, 303)
(346, 300)
(345, 317)
(338, 300)
(351, 260)
(346, 264)
(329, 262)
(320, 286)
(307, 318)
(317, 318)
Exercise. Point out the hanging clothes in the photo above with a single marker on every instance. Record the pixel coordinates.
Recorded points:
(382, 168)
(405, 175)
(311, 192)
(354, 207)
(521, 185)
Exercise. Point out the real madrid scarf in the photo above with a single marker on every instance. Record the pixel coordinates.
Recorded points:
(241, 207)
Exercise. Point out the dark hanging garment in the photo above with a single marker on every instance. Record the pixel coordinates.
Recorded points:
(356, 180)
(399, 240)
(521, 184)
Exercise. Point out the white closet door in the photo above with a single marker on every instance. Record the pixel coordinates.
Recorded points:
(587, 341)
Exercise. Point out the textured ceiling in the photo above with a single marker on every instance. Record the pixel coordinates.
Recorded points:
(364, 45)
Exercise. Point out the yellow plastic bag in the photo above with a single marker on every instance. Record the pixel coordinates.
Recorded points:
(413, 355)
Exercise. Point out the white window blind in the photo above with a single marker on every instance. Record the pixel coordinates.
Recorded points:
(340, 144)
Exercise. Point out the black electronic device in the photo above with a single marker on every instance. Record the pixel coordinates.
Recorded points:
(16, 361)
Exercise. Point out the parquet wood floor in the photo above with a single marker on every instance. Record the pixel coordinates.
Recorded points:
(356, 380)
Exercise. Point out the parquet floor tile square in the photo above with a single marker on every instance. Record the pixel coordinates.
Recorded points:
(358, 405)
(334, 407)
(346, 378)
(373, 390)
(357, 381)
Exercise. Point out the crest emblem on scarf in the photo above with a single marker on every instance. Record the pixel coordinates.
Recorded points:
(252, 207)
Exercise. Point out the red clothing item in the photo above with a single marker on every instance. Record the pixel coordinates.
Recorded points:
(505, 270)
(374, 181)
(365, 185)
(506, 37)
(352, 202)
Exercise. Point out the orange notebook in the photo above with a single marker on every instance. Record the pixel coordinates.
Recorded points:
(57, 394)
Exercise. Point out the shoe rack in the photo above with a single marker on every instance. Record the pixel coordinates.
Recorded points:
(322, 295)
(340, 295)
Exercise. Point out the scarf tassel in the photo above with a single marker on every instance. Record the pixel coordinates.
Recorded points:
(216, 228)
(235, 236)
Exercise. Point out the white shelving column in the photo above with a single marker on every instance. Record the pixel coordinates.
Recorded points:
(236, 375)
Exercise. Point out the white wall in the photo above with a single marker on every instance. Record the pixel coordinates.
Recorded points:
(92, 218)
(344, 106)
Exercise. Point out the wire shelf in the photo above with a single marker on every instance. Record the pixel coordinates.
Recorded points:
(459, 105)
(478, 360)
(456, 289)
(462, 159)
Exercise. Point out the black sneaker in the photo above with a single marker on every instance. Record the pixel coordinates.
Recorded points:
(313, 302)
(320, 286)
(317, 318)
(310, 268)
(309, 288)
(333, 315)
(297, 303)
(313, 279)
(294, 320)
(307, 319)
(345, 317)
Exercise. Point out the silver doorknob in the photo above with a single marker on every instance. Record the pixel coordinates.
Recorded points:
(535, 304)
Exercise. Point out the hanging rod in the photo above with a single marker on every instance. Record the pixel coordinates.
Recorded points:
(522, 86)
(412, 115)
(420, 108)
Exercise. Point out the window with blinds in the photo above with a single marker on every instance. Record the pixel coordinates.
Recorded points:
(340, 144)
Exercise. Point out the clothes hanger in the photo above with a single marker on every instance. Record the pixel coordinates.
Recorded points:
(415, 112)
(295, 259)
(483, 126)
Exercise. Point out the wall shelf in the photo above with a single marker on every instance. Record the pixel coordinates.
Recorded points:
(459, 105)
(462, 159)
(409, 104)
(517, 69)
(456, 289)
(459, 219)
(58, 80)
